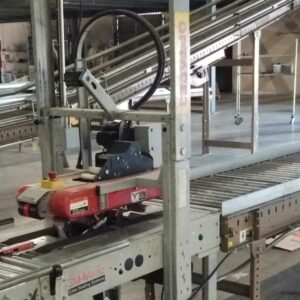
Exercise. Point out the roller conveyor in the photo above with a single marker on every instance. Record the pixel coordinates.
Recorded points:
(13, 267)
(248, 187)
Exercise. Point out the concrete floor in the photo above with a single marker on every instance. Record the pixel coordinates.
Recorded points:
(280, 269)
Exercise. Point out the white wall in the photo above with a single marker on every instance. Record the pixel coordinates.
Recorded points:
(14, 36)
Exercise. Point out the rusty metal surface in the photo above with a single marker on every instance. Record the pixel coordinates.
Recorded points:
(18, 133)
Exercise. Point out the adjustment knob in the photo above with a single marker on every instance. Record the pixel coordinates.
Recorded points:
(52, 175)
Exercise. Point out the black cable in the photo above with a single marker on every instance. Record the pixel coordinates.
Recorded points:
(162, 293)
(80, 14)
(198, 289)
(268, 248)
(157, 42)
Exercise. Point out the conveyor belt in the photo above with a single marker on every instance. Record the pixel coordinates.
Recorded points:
(248, 187)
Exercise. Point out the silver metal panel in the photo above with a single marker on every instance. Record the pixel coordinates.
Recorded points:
(99, 94)
(103, 258)
(149, 137)
(145, 116)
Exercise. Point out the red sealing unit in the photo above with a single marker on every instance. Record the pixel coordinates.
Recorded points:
(84, 200)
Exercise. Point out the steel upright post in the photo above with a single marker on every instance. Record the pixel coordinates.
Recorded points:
(206, 118)
(177, 152)
(295, 82)
(62, 51)
(209, 263)
(213, 76)
(255, 91)
(50, 130)
(238, 81)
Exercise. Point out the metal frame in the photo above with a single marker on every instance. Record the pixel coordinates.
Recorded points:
(62, 52)
(293, 116)
(171, 247)
(238, 117)
(50, 129)
(253, 144)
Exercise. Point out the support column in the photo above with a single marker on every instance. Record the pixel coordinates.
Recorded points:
(50, 130)
(206, 118)
(208, 265)
(257, 249)
(295, 83)
(238, 82)
(213, 76)
(62, 51)
(177, 152)
(255, 91)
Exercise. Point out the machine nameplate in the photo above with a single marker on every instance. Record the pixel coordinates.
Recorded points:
(86, 285)
(79, 206)
(85, 280)
(138, 196)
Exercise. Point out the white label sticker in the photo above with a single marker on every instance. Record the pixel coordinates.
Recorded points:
(182, 188)
(79, 206)
(243, 236)
(138, 196)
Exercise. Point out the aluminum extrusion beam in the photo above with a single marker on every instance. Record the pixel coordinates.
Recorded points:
(52, 144)
(176, 155)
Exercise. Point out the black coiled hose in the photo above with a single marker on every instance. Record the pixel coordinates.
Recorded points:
(157, 42)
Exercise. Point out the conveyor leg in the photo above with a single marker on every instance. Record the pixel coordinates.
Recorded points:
(255, 92)
(208, 265)
(206, 118)
(113, 294)
(257, 249)
(149, 290)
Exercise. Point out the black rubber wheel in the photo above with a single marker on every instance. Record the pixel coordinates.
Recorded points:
(238, 120)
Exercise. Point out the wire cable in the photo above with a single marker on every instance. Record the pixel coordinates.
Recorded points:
(198, 289)
(269, 247)
(162, 293)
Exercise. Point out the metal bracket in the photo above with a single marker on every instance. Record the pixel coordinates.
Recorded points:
(56, 272)
(99, 94)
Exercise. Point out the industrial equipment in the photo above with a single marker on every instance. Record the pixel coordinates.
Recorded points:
(123, 217)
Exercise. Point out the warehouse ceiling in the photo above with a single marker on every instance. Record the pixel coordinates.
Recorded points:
(16, 10)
